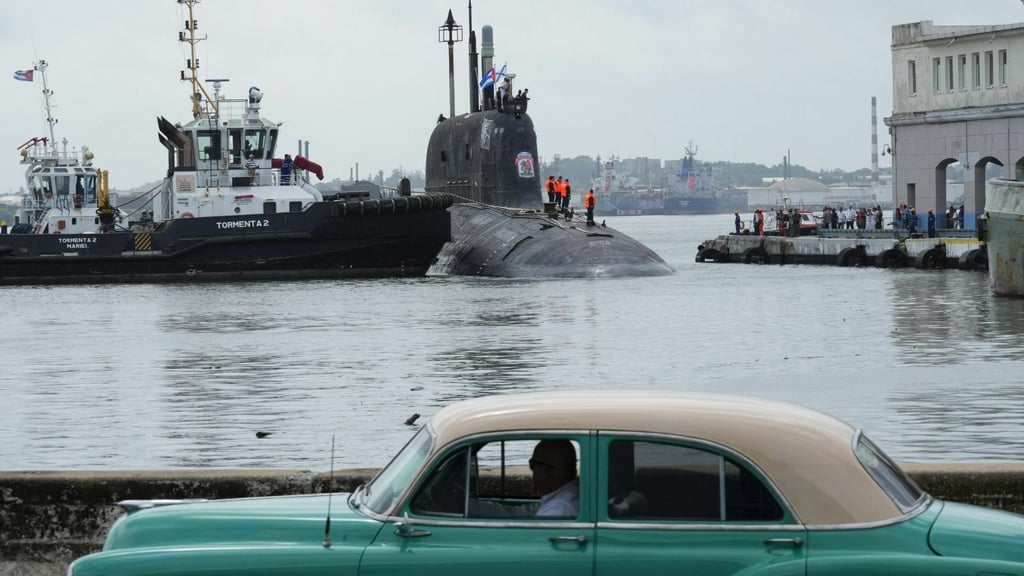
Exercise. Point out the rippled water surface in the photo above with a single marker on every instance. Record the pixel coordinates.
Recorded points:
(155, 377)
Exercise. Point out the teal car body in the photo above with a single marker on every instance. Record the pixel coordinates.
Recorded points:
(667, 483)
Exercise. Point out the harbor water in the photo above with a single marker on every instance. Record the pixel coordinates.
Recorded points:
(183, 376)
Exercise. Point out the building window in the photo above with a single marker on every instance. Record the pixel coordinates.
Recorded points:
(989, 69)
(936, 74)
(962, 71)
(949, 73)
(976, 76)
(912, 76)
(1003, 68)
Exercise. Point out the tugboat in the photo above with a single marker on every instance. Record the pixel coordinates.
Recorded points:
(228, 209)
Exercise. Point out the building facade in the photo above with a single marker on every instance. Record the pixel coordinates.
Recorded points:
(958, 97)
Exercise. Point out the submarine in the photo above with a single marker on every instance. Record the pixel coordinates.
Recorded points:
(487, 161)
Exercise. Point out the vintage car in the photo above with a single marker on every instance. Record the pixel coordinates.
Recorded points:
(667, 483)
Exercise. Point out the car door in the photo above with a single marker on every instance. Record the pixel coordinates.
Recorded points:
(489, 528)
(669, 506)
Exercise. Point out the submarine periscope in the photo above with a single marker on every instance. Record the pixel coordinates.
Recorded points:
(487, 160)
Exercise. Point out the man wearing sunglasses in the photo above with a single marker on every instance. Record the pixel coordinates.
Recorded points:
(554, 475)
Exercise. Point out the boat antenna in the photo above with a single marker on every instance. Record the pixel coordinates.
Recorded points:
(330, 493)
(192, 64)
(50, 120)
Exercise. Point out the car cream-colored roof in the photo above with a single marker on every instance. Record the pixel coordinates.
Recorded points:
(806, 453)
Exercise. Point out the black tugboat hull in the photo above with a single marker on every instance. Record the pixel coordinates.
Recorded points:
(370, 239)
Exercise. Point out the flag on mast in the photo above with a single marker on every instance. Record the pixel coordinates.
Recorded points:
(24, 75)
(491, 77)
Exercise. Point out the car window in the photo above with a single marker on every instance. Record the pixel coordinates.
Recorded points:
(665, 481)
(505, 478)
(392, 480)
(903, 491)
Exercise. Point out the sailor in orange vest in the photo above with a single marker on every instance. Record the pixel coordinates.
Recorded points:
(589, 202)
(566, 193)
(550, 185)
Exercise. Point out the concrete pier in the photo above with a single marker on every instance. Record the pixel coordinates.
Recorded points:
(849, 248)
(47, 519)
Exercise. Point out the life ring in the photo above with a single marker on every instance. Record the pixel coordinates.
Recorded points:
(186, 215)
(743, 225)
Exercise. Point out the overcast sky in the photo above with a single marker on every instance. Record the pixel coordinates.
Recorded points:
(364, 80)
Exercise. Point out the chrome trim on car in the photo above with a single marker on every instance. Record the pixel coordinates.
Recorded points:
(135, 505)
(539, 523)
(640, 524)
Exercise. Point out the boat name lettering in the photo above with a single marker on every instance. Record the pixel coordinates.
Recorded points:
(264, 223)
(76, 242)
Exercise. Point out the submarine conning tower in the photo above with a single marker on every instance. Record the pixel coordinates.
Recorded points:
(488, 157)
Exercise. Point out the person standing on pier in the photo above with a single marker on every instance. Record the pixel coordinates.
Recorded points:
(931, 223)
(737, 221)
(912, 221)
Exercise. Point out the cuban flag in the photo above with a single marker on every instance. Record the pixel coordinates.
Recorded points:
(24, 75)
(491, 77)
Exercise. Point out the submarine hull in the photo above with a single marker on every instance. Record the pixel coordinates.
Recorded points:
(503, 242)
(488, 162)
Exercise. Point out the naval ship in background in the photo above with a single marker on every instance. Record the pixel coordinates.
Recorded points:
(501, 225)
(691, 191)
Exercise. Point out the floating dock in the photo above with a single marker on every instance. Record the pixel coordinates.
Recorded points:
(959, 249)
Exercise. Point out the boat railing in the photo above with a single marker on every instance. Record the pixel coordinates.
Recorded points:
(42, 151)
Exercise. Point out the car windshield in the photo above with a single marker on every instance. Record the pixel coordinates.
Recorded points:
(389, 483)
(890, 477)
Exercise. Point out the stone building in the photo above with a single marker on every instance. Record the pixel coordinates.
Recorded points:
(958, 97)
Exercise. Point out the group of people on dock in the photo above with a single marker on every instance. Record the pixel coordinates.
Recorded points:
(787, 223)
(850, 218)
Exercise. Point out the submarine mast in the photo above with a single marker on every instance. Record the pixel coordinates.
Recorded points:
(474, 72)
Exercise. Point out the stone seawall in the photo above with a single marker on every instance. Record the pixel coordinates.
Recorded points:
(47, 519)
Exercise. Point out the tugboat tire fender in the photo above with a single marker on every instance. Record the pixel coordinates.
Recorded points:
(709, 255)
(755, 255)
(852, 256)
(976, 259)
(891, 258)
(186, 215)
(930, 259)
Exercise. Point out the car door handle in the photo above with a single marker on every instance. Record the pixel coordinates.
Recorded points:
(579, 539)
(795, 542)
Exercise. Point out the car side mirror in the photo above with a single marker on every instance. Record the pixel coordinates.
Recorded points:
(405, 530)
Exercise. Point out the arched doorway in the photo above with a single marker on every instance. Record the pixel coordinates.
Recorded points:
(974, 191)
(943, 173)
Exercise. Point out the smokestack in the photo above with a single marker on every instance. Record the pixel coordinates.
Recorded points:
(874, 141)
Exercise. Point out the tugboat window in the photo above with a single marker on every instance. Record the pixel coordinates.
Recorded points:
(236, 146)
(272, 144)
(270, 207)
(295, 206)
(209, 145)
(254, 141)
